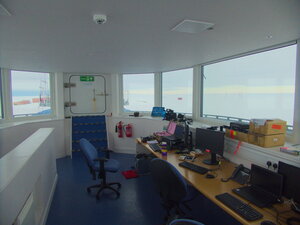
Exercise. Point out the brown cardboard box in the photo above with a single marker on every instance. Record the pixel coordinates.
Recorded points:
(253, 138)
(266, 141)
(270, 127)
(237, 135)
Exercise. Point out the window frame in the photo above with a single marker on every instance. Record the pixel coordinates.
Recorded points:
(1, 97)
(188, 115)
(121, 94)
(7, 99)
(291, 135)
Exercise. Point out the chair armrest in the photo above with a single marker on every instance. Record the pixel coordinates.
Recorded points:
(102, 159)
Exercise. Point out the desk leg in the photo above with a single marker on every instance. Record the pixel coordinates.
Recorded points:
(141, 149)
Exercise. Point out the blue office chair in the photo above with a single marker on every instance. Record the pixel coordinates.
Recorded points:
(99, 163)
(172, 187)
(185, 222)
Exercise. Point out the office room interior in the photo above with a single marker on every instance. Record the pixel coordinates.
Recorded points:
(69, 66)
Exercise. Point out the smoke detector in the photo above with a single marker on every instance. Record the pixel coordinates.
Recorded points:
(99, 18)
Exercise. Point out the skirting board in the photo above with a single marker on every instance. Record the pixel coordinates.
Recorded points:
(47, 209)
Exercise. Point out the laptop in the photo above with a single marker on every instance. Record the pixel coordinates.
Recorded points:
(178, 134)
(265, 187)
(170, 130)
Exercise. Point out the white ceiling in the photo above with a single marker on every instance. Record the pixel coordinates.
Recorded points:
(60, 35)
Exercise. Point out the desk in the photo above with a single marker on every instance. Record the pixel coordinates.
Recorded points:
(212, 187)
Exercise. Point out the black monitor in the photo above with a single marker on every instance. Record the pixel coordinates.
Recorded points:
(291, 181)
(179, 132)
(212, 141)
(267, 180)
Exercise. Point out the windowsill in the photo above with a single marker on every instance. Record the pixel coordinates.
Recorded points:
(7, 124)
(140, 117)
(207, 122)
(274, 151)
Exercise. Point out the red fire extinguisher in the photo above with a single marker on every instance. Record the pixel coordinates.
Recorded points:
(119, 129)
(128, 130)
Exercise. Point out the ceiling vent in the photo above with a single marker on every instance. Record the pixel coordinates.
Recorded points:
(4, 11)
(192, 26)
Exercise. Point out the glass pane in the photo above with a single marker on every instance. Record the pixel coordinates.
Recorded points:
(30, 93)
(261, 85)
(138, 92)
(1, 109)
(177, 90)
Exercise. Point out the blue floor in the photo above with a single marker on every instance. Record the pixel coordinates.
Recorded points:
(138, 204)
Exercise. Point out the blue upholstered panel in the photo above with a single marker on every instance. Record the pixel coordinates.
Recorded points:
(92, 128)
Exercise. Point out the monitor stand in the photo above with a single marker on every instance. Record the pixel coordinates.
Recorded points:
(212, 161)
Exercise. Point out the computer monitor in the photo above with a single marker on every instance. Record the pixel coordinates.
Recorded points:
(291, 184)
(212, 141)
(267, 180)
(179, 132)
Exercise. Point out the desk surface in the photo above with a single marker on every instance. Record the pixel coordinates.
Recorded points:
(212, 187)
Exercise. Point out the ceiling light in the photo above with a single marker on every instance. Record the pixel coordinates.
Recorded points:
(193, 26)
(4, 11)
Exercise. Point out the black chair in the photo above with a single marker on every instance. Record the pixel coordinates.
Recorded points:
(99, 163)
(172, 187)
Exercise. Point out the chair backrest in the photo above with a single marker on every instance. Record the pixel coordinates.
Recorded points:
(89, 151)
(185, 222)
(169, 182)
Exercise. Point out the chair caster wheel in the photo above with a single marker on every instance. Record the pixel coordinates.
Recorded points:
(88, 190)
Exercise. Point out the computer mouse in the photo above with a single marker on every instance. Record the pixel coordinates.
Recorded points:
(209, 176)
(267, 222)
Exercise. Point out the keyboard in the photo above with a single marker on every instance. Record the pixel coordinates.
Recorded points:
(196, 168)
(155, 147)
(241, 208)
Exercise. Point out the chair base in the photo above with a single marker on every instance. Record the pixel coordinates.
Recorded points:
(103, 186)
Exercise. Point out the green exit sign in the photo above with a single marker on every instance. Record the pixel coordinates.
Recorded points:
(87, 78)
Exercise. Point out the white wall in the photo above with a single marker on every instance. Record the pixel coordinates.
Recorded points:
(30, 168)
(13, 134)
(142, 126)
(145, 126)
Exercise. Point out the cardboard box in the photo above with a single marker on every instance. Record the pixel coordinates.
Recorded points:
(253, 138)
(236, 135)
(266, 141)
(270, 127)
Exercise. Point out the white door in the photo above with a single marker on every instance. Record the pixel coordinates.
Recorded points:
(89, 94)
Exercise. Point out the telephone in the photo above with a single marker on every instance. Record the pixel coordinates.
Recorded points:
(241, 175)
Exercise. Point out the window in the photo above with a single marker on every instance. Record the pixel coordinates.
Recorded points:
(260, 85)
(30, 93)
(138, 92)
(177, 90)
(1, 108)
